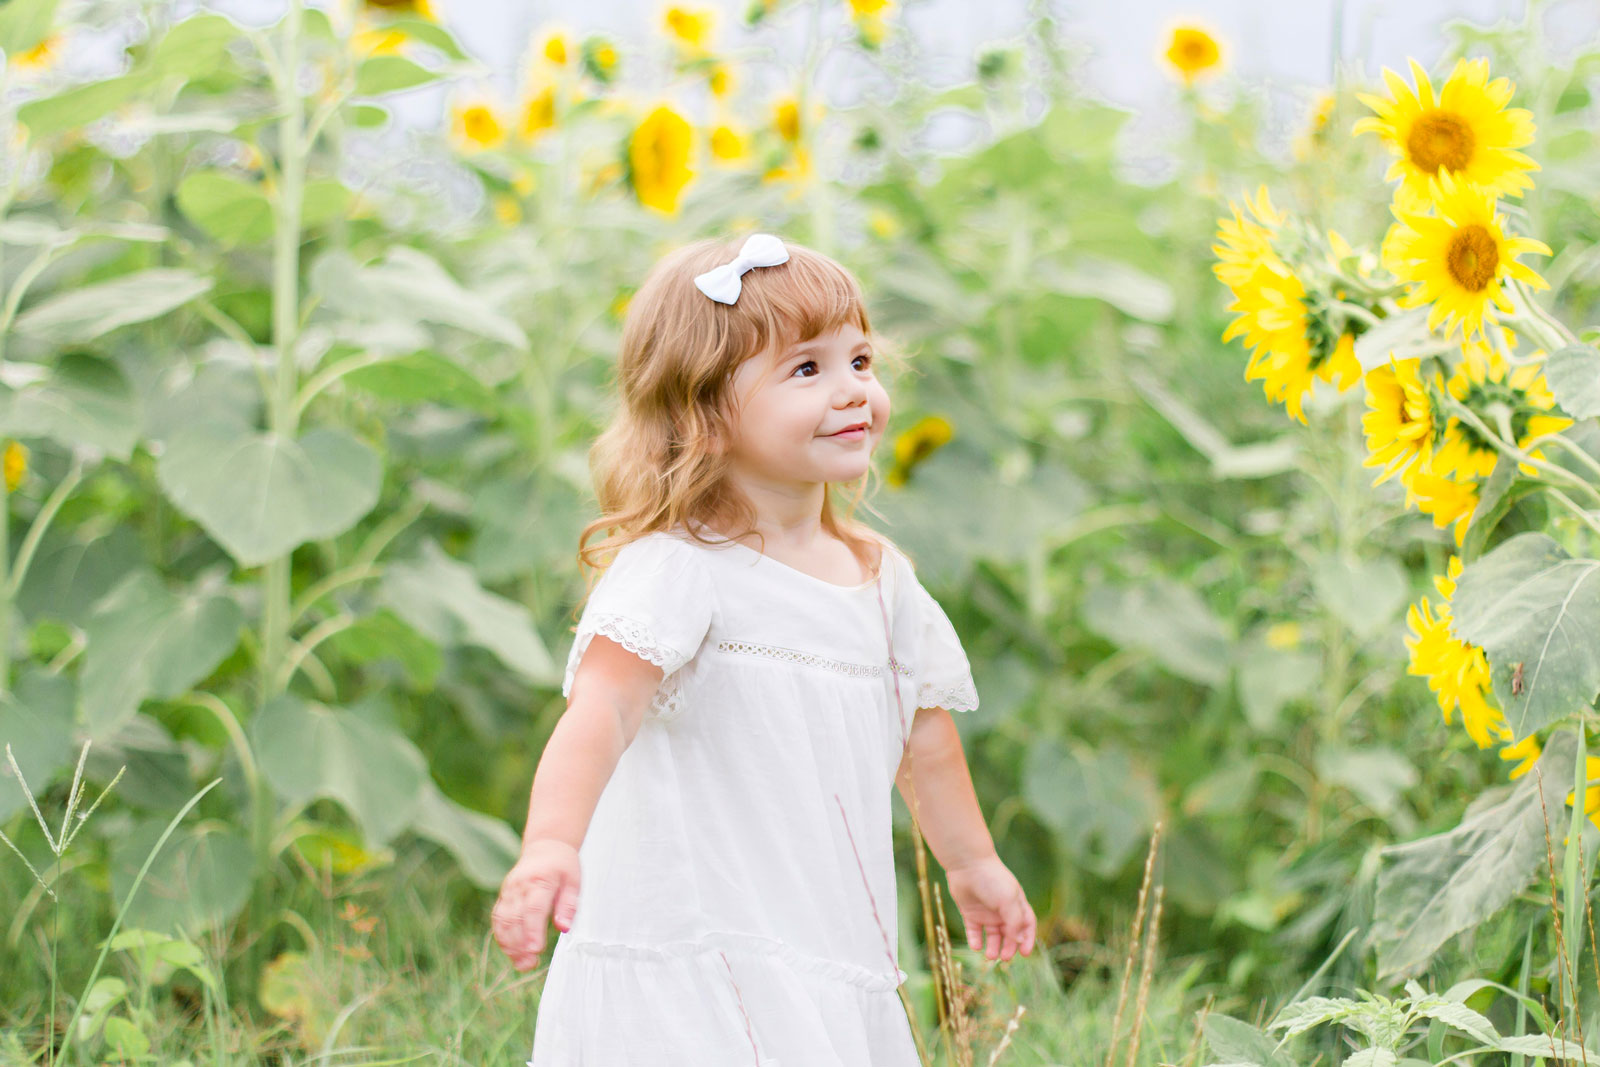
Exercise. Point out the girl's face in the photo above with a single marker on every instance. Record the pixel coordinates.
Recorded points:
(790, 403)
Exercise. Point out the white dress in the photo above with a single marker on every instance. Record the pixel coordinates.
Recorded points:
(738, 905)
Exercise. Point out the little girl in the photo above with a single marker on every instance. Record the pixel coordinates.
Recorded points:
(750, 675)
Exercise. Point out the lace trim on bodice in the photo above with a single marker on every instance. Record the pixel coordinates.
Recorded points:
(736, 941)
(808, 659)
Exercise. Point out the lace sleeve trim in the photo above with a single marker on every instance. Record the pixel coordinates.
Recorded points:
(636, 637)
(959, 695)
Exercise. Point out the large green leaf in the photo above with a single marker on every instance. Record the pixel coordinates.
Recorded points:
(443, 600)
(387, 74)
(1536, 612)
(1432, 889)
(308, 750)
(408, 286)
(1365, 595)
(85, 312)
(81, 104)
(1098, 801)
(485, 846)
(1270, 677)
(232, 211)
(36, 719)
(1166, 619)
(1574, 377)
(202, 876)
(259, 495)
(195, 47)
(146, 641)
(83, 400)
(24, 23)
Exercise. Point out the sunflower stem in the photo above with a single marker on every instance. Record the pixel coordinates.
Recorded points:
(1471, 418)
(1539, 315)
(1561, 439)
(1587, 518)
(1356, 311)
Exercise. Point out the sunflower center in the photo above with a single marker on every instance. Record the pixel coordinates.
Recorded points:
(1440, 139)
(1473, 257)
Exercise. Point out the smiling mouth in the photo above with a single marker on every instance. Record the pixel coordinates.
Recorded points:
(860, 427)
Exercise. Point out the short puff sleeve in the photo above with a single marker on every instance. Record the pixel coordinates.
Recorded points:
(655, 600)
(943, 674)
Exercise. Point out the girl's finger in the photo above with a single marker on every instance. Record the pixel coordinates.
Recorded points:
(992, 941)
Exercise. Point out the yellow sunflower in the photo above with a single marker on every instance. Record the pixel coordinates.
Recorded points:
(726, 144)
(1246, 243)
(1448, 500)
(475, 125)
(538, 113)
(1525, 752)
(786, 118)
(1193, 52)
(40, 57)
(1482, 380)
(1591, 794)
(422, 9)
(1399, 422)
(1458, 673)
(658, 155)
(1457, 258)
(555, 47)
(1468, 131)
(692, 28)
(925, 437)
(15, 464)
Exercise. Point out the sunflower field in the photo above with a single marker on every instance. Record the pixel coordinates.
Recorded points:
(1264, 493)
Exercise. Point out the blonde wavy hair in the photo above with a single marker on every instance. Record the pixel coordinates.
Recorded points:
(654, 466)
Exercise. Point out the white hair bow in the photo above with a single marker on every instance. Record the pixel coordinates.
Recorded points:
(759, 250)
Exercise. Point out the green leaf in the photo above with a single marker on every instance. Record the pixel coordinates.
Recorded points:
(36, 720)
(195, 47)
(1099, 803)
(81, 105)
(1499, 495)
(24, 23)
(429, 33)
(83, 400)
(325, 199)
(1237, 1042)
(145, 641)
(1312, 1012)
(387, 74)
(485, 846)
(1365, 595)
(202, 876)
(308, 750)
(259, 495)
(1432, 889)
(230, 210)
(384, 635)
(85, 312)
(1535, 611)
(442, 599)
(1166, 619)
(1371, 1057)
(423, 377)
(368, 116)
(1376, 774)
(1459, 1016)
(1125, 287)
(1573, 374)
(1270, 677)
(408, 286)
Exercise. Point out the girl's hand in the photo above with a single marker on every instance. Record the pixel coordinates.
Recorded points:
(544, 880)
(993, 906)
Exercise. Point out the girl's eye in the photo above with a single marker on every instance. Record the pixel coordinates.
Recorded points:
(812, 363)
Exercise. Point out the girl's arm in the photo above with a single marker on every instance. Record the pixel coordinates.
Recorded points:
(947, 806)
(611, 689)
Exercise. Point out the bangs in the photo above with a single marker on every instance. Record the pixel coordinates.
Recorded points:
(797, 300)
